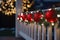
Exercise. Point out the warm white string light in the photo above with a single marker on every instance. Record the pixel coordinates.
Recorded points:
(58, 15)
(8, 7)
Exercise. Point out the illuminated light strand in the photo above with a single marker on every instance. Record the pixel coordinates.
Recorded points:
(8, 7)
(26, 5)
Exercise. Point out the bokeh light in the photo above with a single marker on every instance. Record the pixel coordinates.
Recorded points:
(8, 7)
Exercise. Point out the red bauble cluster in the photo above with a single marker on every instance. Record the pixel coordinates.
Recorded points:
(24, 17)
(19, 16)
(37, 16)
(31, 17)
(50, 16)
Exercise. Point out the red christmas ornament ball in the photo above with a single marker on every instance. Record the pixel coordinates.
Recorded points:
(29, 17)
(19, 16)
(49, 14)
(37, 16)
(24, 16)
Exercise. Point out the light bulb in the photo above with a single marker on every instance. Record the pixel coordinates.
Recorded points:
(58, 15)
(52, 24)
(49, 9)
(21, 14)
(26, 20)
(31, 12)
(28, 6)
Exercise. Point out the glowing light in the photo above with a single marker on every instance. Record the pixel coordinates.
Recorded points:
(31, 12)
(37, 10)
(26, 20)
(4, 7)
(21, 14)
(58, 15)
(9, 0)
(5, 4)
(18, 18)
(42, 16)
(28, 6)
(21, 19)
(28, 1)
(24, 1)
(42, 24)
(49, 9)
(15, 0)
(52, 24)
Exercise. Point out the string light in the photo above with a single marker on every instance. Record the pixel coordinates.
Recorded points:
(26, 5)
(24, 1)
(58, 15)
(17, 18)
(31, 12)
(49, 9)
(26, 20)
(8, 7)
(5, 4)
(52, 24)
(42, 24)
(21, 14)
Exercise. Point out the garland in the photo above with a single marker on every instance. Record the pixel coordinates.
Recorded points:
(48, 17)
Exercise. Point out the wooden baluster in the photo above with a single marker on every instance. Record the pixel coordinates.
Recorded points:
(39, 32)
(34, 31)
(43, 32)
(29, 30)
(49, 33)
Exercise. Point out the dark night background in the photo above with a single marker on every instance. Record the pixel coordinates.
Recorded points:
(7, 22)
(44, 4)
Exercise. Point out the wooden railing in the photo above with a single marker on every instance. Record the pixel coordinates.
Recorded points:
(34, 32)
